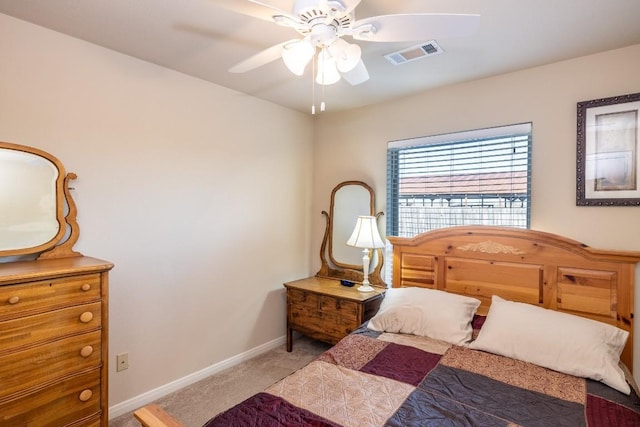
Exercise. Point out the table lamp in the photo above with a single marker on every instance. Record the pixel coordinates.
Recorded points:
(366, 236)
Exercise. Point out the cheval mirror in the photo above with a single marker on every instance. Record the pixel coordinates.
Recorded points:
(37, 213)
(349, 199)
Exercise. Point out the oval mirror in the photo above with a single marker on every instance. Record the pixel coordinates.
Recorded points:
(31, 200)
(349, 200)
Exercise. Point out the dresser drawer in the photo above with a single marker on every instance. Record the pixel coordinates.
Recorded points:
(61, 404)
(19, 300)
(93, 422)
(45, 363)
(28, 331)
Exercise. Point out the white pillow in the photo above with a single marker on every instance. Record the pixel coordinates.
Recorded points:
(562, 342)
(426, 312)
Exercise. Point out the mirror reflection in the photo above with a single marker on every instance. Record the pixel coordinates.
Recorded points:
(36, 209)
(349, 202)
(28, 200)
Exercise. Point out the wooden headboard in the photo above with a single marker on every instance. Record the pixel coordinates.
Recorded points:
(529, 266)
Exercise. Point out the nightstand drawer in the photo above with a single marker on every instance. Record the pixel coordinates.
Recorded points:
(344, 308)
(61, 404)
(316, 304)
(19, 300)
(305, 299)
(326, 326)
(42, 364)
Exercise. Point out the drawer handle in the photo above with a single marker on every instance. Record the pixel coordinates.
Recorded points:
(86, 351)
(86, 317)
(86, 287)
(14, 299)
(85, 395)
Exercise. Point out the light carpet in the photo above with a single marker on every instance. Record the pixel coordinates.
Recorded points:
(196, 404)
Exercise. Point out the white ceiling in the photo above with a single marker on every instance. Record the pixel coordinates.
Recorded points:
(204, 38)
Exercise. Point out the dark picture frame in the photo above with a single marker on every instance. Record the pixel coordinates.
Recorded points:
(608, 151)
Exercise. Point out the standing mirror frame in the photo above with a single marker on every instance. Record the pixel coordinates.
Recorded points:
(349, 199)
(38, 213)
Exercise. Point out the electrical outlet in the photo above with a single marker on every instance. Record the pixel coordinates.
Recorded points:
(122, 362)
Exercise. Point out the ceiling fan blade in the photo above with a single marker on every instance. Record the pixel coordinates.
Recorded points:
(261, 58)
(263, 4)
(357, 75)
(414, 27)
(350, 5)
(254, 8)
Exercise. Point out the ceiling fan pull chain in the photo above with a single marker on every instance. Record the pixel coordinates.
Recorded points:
(322, 102)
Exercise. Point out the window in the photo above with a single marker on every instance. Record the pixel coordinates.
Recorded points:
(479, 177)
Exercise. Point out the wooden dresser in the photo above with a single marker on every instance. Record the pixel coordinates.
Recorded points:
(325, 310)
(53, 342)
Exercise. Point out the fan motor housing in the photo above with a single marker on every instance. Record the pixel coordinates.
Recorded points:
(312, 11)
(302, 7)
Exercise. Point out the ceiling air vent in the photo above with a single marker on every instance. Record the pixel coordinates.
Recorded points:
(413, 53)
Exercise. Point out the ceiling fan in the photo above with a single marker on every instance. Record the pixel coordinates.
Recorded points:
(323, 24)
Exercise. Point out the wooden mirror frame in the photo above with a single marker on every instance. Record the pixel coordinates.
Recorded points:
(331, 268)
(67, 225)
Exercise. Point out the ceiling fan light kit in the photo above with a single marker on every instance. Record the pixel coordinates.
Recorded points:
(324, 23)
(346, 55)
(296, 56)
(327, 70)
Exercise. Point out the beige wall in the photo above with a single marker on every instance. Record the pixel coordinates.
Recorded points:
(352, 145)
(177, 183)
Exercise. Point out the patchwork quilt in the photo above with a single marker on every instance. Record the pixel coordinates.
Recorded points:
(380, 379)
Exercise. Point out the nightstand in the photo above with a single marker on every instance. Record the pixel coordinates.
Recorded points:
(325, 310)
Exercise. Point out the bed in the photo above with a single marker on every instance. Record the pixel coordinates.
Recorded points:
(484, 326)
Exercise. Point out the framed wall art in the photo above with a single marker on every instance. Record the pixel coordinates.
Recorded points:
(608, 151)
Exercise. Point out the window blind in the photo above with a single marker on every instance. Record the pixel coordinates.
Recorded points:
(480, 177)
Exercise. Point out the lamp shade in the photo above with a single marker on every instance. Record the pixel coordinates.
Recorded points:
(366, 234)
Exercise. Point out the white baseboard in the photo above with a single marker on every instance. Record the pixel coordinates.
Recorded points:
(155, 394)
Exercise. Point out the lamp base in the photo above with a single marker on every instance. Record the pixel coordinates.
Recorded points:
(365, 288)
